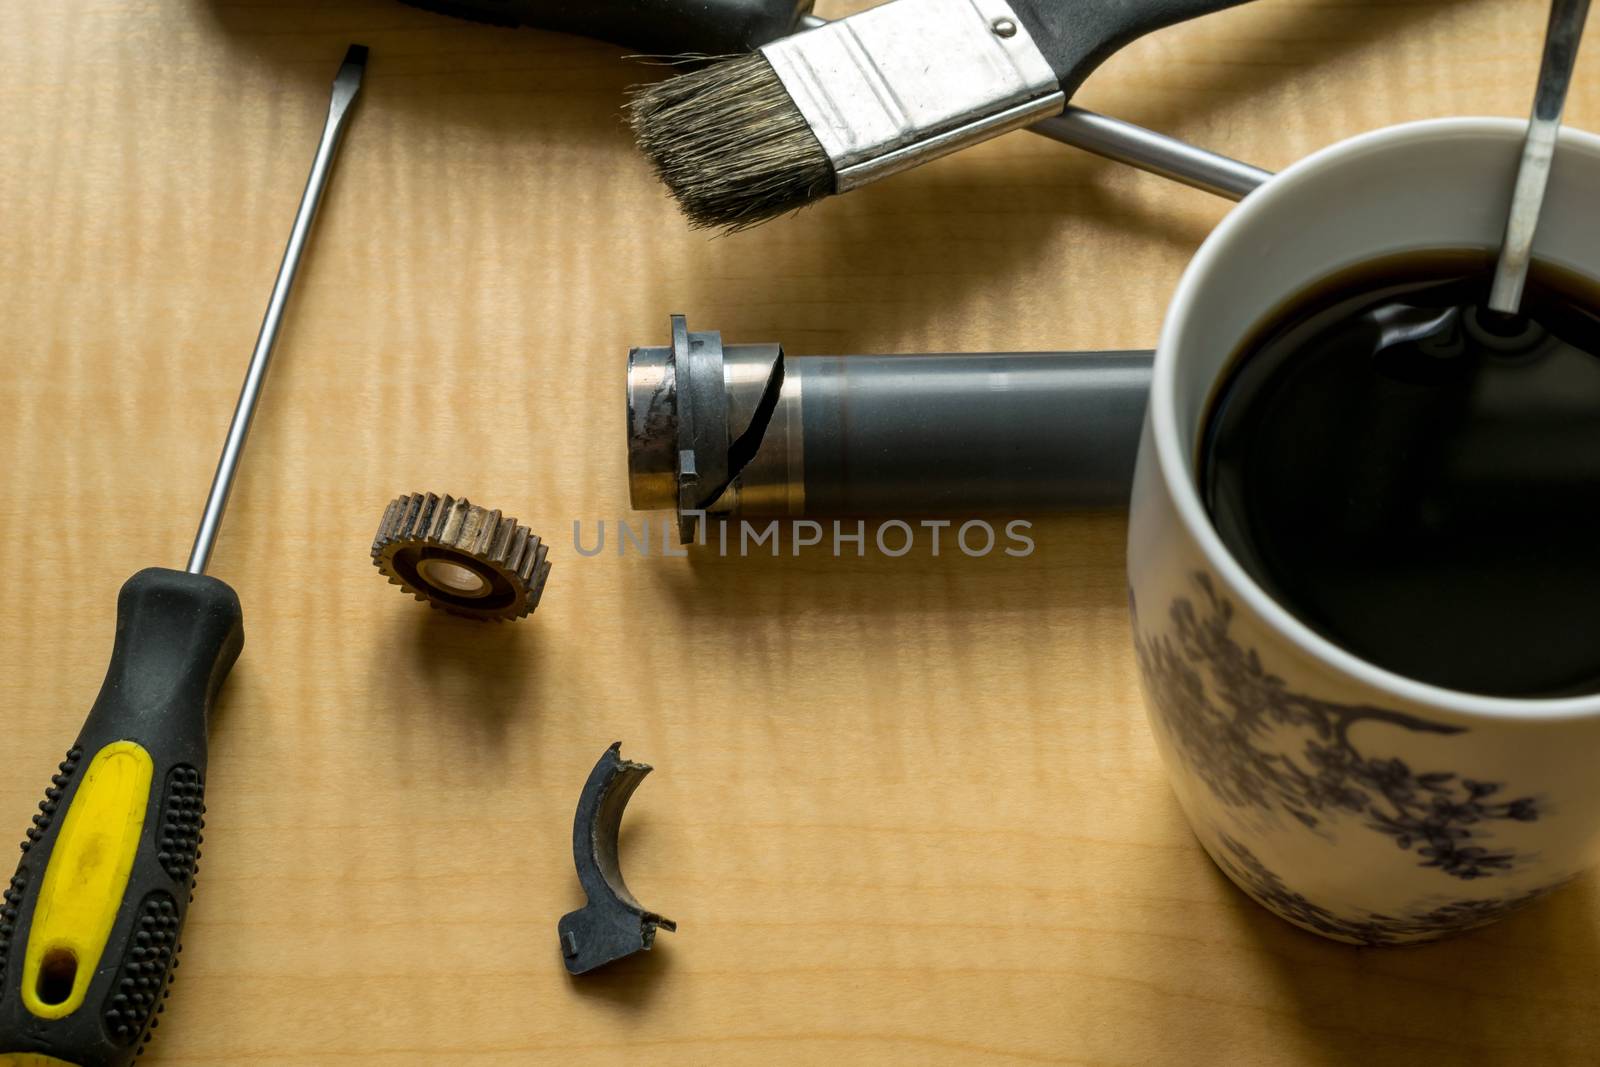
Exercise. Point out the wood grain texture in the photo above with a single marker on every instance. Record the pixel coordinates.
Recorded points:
(906, 811)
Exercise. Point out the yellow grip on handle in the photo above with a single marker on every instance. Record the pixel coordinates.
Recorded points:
(85, 881)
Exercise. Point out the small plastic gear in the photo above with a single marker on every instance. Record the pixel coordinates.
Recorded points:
(459, 558)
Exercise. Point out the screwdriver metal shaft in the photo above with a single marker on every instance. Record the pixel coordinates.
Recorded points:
(346, 85)
(1155, 153)
(91, 922)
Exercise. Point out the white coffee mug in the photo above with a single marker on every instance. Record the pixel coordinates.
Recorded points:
(1351, 801)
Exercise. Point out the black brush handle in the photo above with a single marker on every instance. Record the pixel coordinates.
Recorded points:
(658, 27)
(1078, 35)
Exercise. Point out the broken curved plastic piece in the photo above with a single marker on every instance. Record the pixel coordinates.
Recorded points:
(612, 925)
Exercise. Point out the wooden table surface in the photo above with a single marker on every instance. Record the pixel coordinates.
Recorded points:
(905, 810)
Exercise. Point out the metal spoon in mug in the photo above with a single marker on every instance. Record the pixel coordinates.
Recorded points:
(1538, 149)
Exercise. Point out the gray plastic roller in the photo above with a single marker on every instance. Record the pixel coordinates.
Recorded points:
(748, 430)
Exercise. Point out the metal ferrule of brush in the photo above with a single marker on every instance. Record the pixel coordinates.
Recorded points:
(902, 83)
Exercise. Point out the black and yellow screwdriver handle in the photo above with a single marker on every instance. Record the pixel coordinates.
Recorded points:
(90, 923)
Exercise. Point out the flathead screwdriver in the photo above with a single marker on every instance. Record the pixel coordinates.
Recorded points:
(90, 923)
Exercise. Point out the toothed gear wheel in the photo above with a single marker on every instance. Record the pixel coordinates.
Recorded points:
(459, 558)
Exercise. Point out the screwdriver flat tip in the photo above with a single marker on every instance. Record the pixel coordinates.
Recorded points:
(348, 81)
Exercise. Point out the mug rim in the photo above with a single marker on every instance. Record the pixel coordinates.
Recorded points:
(1181, 482)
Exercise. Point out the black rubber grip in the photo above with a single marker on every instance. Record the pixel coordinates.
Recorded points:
(178, 636)
(655, 27)
(1078, 35)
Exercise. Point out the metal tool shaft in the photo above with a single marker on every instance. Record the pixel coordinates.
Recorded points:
(1154, 152)
(1538, 153)
(346, 85)
(1141, 148)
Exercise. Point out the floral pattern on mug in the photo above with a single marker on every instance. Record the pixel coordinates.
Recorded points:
(1372, 928)
(1226, 715)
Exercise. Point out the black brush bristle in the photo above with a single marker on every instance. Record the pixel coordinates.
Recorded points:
(730, 144)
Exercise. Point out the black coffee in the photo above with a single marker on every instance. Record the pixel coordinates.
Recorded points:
(1417, 478)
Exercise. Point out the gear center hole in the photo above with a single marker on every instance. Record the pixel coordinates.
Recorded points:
(453, 578)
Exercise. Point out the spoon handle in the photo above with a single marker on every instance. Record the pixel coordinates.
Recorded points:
(1533, 174)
